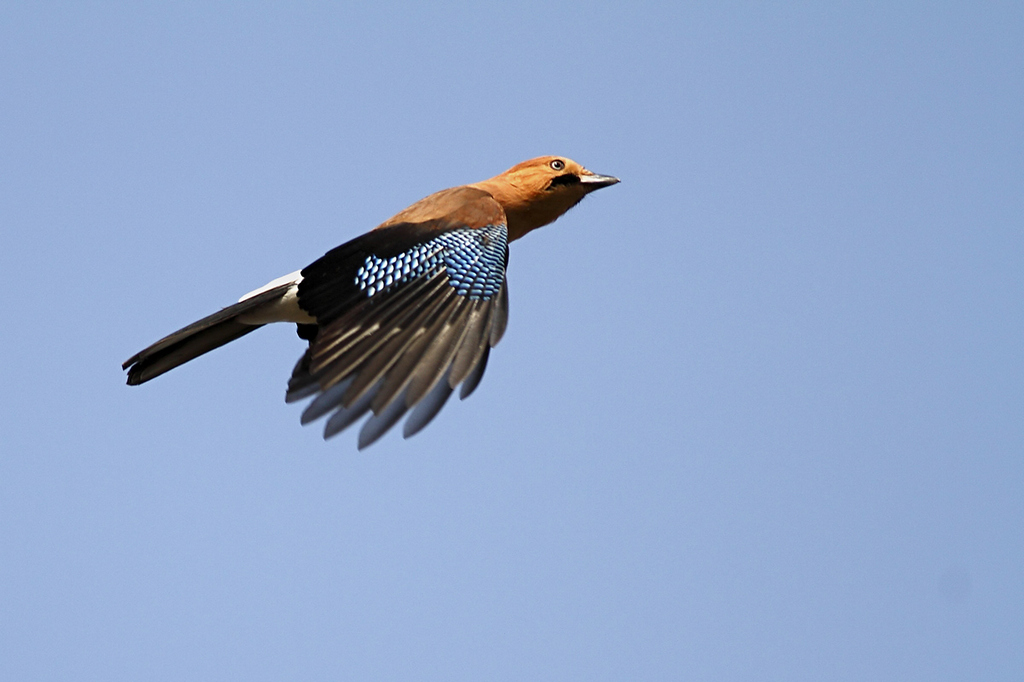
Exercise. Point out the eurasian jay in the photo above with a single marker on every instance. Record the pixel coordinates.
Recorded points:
(399, 317)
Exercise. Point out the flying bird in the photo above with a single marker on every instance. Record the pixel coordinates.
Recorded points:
(398, 318)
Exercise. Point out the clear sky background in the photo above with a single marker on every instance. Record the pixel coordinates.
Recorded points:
(759, 414)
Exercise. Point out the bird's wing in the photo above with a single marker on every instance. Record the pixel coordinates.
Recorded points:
(404, 314)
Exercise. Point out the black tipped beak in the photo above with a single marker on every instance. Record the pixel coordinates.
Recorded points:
(594, 181)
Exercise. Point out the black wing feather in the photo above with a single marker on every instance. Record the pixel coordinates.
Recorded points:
(472, 348)
(405, 314)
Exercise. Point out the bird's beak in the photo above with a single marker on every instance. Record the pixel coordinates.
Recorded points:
(594, 181)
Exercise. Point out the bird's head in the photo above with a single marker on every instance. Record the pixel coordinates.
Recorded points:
(536, 192)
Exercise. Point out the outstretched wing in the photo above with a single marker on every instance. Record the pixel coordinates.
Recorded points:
(404, 314)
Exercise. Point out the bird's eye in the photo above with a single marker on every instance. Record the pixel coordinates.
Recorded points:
(558, 165)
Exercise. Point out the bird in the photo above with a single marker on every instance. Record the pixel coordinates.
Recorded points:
(399, 317)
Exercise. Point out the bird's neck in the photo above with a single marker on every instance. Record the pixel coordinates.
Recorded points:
(525, 210)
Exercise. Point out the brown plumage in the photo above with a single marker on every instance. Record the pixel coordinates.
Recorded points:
(398, 317)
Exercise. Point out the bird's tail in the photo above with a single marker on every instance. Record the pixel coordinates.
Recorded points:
(199, 337)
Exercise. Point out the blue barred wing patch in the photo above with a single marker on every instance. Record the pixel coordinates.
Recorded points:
(473, 257)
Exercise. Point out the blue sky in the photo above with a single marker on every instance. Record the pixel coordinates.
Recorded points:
(758, 413)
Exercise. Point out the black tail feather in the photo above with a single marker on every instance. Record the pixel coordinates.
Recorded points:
(196, 339)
